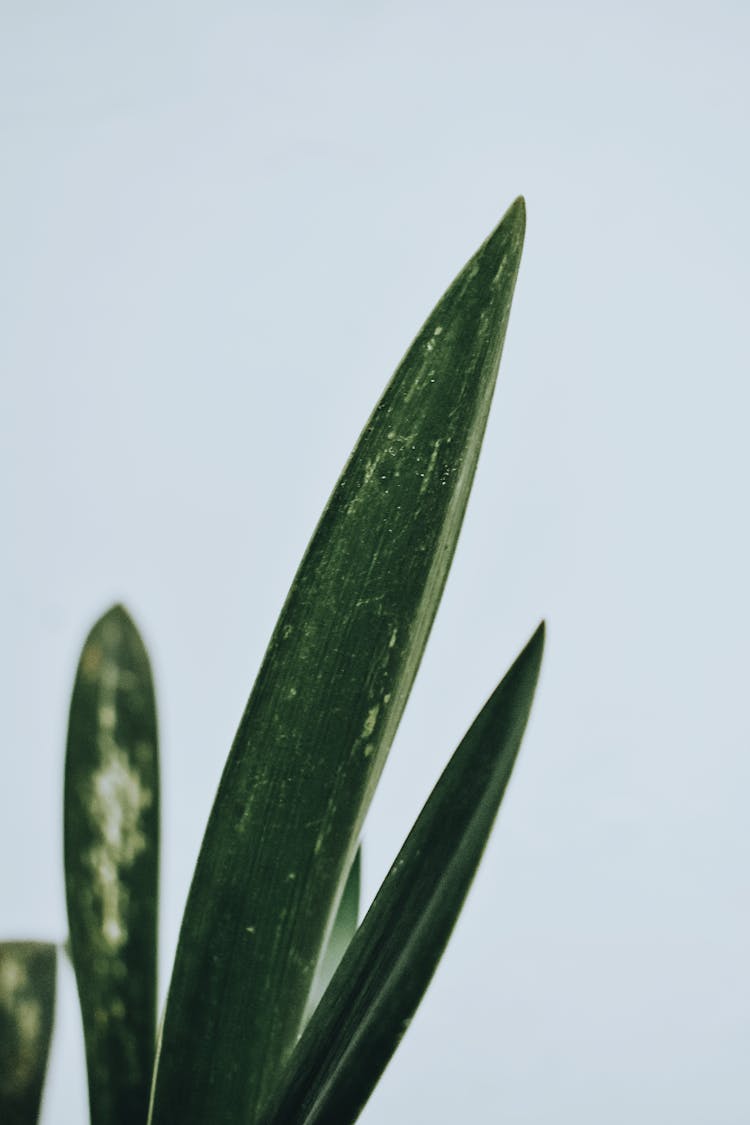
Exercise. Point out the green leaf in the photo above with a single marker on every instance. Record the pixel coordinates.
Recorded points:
(343, 930)
(333, 685)
(111, 865)
(27, 1005)
(394, 953)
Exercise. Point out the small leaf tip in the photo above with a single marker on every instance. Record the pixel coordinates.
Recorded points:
(534, 648)
(118, 610)
(117, 614)
(517, 213)
(113, 629)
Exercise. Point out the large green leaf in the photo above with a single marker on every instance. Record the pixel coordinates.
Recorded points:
(324, 709)
(111, 865)
(27, 1004)
(384, 973)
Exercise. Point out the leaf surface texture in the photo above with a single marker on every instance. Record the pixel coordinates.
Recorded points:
(111, 865)
(320, 720)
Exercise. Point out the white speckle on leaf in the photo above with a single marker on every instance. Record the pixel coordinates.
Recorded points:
(28, 1019)
(113, 932)
(107, 716)
(117, 799)
(25, 1012)
(13, 975)
(369, 723)
(500, 270)
(117, 1009)
(435, 332)
(430, 467)
(394, 637)
(110, 676)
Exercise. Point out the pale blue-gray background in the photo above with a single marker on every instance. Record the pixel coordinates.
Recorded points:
(221, 226)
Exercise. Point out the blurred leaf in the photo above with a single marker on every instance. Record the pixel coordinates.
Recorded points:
(111, 865)
(314, 736)
(342, 932)
(28, 971)
(395, 951)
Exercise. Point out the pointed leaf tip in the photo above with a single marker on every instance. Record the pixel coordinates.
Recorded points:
(325, 707)
(514, 220)
(117, 618)
(119, 611)
(111, 836)
(509, 233)
(519, 684)
(538, 638)
(393, 954)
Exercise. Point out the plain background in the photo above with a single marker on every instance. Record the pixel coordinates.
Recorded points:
(221, 226)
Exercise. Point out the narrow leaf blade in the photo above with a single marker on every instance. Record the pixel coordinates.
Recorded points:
(320, 720)
(111, 865)
(384, 973)
(28, 971)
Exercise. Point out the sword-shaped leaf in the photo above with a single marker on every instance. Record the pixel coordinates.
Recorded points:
(384, 973)
(320, 720)
(27, 1005)
(111, 865)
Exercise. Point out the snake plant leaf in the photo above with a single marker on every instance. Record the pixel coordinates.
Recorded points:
(384, 973)
(322, 715)
(111, 865)
(343, 930)
(28, 971)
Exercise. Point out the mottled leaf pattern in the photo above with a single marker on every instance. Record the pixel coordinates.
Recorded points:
(111, 865)
(28, 971)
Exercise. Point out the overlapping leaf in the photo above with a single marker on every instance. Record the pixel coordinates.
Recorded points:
(28, 971)
(324, 709)
(386, 969)
(343, 930)
(111, 865)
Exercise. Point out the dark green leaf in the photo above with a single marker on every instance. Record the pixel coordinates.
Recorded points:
(393, 955)
(27, 1005)
(324, 709)
(342, 932)
(111, 865)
